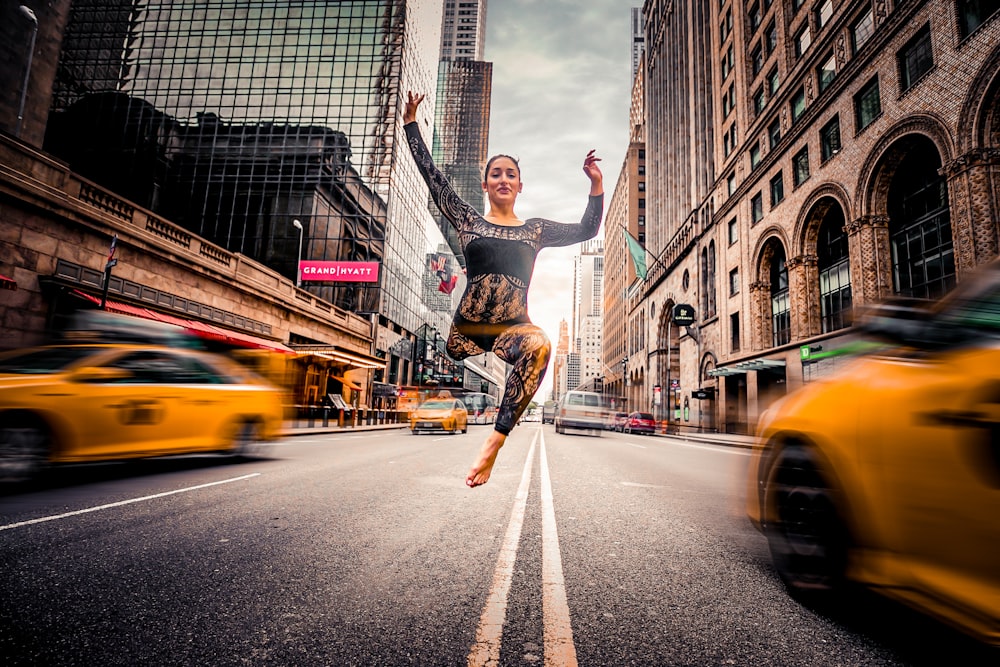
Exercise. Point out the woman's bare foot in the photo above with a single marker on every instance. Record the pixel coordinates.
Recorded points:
(480, 472)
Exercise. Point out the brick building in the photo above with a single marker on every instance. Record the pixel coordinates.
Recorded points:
(805, 158)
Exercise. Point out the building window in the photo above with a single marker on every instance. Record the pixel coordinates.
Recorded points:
(758, 101)
(800, 166)
(824, 13)
(726, 26)
(755, 16)
(777, 189)
(773, 81)
(771, 37)
(734, 282)
(754, 155)
(826, 72)
(757, 208)
(797, 5)
(774, 133)
(734, 232)
(731, 184)
(641, 185)
(916, 59)
(781, 319)
(862, 30)
(829, 139)
(798, 104)
(734, 332)
(974, 13)
(708, 281)
(642, 203)
(728, 62)
(756, 60)
(641, 219)
(729, 101)
(834, 272)
(867, 104)
(802, 41)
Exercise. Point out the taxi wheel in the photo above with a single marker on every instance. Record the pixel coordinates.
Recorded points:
(24, 450)
(246, 440)
(805, 532)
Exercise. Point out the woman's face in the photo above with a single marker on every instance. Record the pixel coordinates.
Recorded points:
(503, 180)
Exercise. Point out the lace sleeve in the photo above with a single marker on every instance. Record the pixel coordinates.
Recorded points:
(451, 205)
(559, 234)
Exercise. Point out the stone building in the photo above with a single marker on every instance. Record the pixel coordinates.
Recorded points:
(806, 158)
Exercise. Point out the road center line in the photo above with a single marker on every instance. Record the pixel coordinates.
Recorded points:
(486, 650)
(557, 631)
(123, 502)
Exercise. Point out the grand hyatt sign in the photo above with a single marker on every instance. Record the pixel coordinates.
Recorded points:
(357, 272)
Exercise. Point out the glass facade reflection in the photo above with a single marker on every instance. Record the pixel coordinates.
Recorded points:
(235, 118)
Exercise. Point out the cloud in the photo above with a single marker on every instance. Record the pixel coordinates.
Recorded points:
(561, 87)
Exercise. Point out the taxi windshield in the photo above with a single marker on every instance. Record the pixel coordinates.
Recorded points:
(43, 361)
(437, 405)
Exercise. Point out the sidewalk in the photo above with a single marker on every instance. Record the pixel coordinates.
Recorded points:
(297, 428)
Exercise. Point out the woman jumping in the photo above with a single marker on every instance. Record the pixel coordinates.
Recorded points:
(500, 251)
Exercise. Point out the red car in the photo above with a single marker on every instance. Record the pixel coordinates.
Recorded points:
(640, 422)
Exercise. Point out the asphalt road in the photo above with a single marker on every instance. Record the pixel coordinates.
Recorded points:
(368, 549)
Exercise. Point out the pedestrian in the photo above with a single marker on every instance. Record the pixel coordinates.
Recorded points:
(500, 251)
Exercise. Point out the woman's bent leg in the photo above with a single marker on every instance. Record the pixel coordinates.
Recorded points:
(527, 348)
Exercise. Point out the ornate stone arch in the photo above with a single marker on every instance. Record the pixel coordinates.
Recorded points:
(974, 175)
(760, 268)
(812, 213)
(871, 193)
(760, 285)
(980, 114)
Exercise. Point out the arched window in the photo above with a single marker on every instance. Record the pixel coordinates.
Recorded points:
(923, 256)
(834, 272)
(710, 281)
(781, 320)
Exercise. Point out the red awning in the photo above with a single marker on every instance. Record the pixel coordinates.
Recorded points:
(7, 283)
(202, 329)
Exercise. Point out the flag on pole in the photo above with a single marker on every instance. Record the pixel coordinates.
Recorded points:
(638, 254)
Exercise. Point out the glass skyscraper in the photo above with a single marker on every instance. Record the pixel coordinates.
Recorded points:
(236, 118)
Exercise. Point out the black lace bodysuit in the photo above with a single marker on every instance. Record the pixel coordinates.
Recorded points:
(493, 311)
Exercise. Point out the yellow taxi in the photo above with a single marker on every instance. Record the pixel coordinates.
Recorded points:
(445, 414)
(86, 402)
(888, 474)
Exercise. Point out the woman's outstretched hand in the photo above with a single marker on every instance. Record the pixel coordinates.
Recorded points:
(593, 172)
(410, 111)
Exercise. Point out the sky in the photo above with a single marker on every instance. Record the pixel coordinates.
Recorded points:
(561, 87)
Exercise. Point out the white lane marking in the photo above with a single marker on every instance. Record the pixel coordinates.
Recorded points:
(742, 451)
(644, 486)
(630, 444)
(557, 631)
(123, 502)
(486, 650)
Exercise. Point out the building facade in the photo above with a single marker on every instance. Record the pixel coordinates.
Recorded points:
(853, 157)
(269, 130)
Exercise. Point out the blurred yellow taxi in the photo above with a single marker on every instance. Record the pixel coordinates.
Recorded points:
(888, 474)
(85, 402)
(440, 414)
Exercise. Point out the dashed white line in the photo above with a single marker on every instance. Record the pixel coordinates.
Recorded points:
(486, 650)
(124, 502)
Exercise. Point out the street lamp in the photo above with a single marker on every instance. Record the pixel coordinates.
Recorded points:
(298, 266)
(30, 15)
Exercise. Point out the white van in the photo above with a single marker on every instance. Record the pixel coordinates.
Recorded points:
(580, 410)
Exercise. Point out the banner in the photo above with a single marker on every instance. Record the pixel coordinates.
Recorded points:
(356, 272)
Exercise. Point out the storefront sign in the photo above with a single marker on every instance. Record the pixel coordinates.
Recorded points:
(358, 272)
